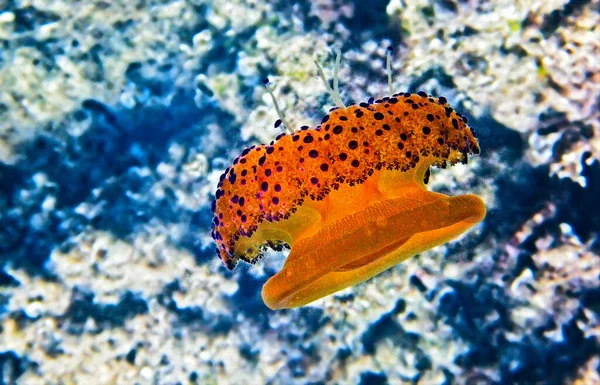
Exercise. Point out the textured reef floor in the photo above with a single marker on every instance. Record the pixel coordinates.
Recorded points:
(117, 118)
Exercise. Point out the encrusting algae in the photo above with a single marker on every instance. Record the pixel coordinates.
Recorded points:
(348, 196)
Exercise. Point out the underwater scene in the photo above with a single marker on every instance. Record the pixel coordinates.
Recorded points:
(300, 192)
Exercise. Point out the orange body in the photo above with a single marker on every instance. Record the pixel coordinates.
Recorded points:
(348, 197)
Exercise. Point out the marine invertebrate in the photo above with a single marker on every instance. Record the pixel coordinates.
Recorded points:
(347, 196)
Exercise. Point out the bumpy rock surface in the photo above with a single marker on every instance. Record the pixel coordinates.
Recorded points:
(117, 118)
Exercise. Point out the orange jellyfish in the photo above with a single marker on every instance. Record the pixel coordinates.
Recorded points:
(348, 197)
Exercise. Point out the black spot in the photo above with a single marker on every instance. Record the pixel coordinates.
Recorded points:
(264, 186)
(403, 136)
(455, 123)
(373, 378)
(325, 119)
(400, 146)
(268, 172)
(440, 141)
(408, 154)
(358, 113)
(277, 187)
(386, 127)
(378, 116)
(430, 117)
(426, 130)
(313, 153)
(353, 144)
(355, 163)
(308, 139)
(417, 283)
(354, 130)
(442, 100)
(130, 357)
(314, 180)
(379, 132)
(295, 138)
(275, 200)
(277, 123)
(343, 156)
(415, 106)
(343, 118)
(270, 150)
(324, 167)
(448, 111)
(338, 130)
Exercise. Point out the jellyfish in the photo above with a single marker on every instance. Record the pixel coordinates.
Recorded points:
(348, 197)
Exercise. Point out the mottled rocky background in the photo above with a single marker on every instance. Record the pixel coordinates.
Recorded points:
(118, 117)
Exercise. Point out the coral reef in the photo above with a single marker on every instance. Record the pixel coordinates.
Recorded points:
(117, 119)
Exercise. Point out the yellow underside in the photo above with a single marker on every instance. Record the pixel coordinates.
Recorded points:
(358, 232)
